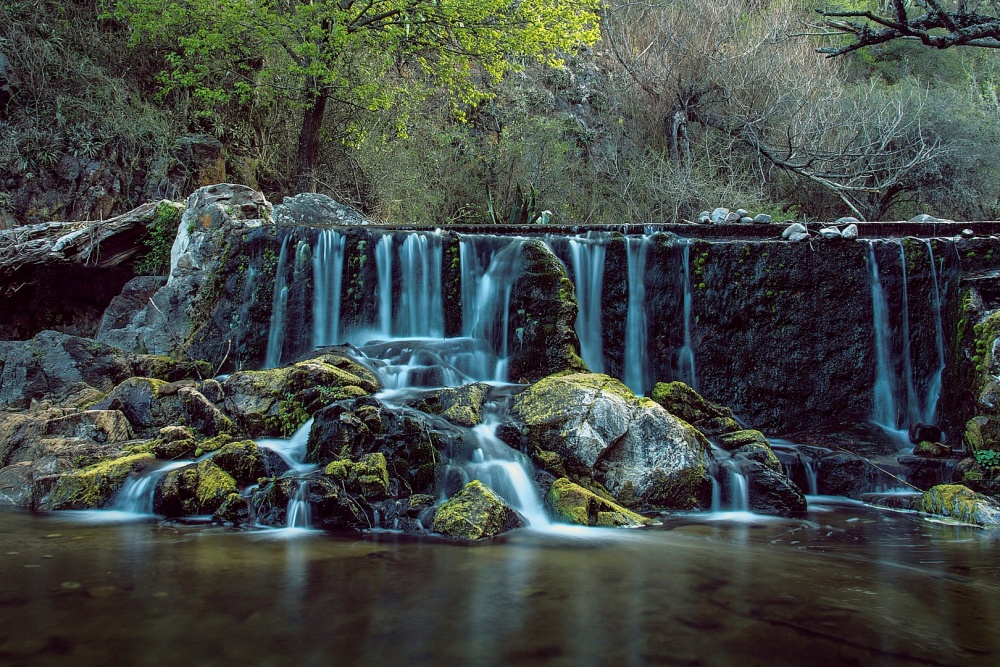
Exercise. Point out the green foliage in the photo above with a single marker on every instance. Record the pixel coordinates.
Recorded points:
(988, 458)
(159, 239)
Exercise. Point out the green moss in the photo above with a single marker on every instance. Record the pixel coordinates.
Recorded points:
(214, 485)
(688, 488)
(95, 485)
(476, 512)
(959, 503)
(572, 503)
(368, 476)
(216, 443)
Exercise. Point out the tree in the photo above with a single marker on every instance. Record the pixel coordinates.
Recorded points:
(362, 54)
(940, 24)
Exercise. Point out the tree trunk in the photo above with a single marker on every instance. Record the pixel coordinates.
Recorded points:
(307, 156)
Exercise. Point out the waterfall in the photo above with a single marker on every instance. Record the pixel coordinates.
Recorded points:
(136, 494)
(276, 332)
(476, 254)
(292, 451)
(421, 311)
(912, 409)
(492, 309)
(730, 487)
(383, 264)
(636, 364)
(328, 273)
(885, 412)
(934, 386)
(685, 357)
(299, 512)
(588, 275)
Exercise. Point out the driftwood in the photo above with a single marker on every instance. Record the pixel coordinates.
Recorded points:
(102, 243)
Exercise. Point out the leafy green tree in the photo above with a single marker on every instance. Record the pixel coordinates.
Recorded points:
(363, 54)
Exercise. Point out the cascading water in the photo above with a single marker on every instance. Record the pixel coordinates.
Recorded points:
(588, 275)
(685, 356)
(934, 385)
(476, 254)
(912, 409)
(136, 495)
(421, 309)
(328, 271)
(885, 412)
(383, 264)
(292, 451)
(492, 310)
(276, 331)
(730, 487)
(636, 363)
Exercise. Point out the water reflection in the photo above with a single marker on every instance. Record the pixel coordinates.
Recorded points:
(849, 584)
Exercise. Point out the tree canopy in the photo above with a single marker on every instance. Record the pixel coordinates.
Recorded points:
(939, 24)
(311, 52)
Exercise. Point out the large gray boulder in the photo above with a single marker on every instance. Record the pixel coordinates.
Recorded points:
(214, 216)
(588, 423)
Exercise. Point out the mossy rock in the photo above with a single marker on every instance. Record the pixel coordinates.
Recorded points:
(196, 489)
(168, 369)
(761, 453)
(367, 477)
(736, 439)
(474, 513)
(572, 503)
(276, 402)
(461, 406)
(684, 402)
(242, 461)
(932, 449)
(95, 485)
(982, 432)
(960, 503)
(233, 509)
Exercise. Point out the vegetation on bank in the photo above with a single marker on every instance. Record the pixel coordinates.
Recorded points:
(462, 111)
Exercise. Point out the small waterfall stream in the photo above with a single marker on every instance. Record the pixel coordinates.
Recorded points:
(292, 451)
(383, 264)
(934, 386)
(685, 356)
(136, 495)
(636, 371)
(328, 273)
(588, 274)
(276, 332)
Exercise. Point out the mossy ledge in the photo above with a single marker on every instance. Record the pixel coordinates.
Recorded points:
(95, 485)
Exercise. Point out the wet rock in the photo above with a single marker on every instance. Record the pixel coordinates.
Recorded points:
(744, 437)
(630, 445)
(367, 477)
(461, 406)
(201, 414)
(133, 297)
(850, 232)
(544, 303)
(759, 452)
(924, 432)
(682, 401)
(409, 441)
(95, 486)
(924, 472)
(276, 402)
(196, 489)
(960, 503)
(844, 474)
(233, 509)
(571, 503)
(60, 369)
(934, 449)
(151, 404)
(981, 479)
(242, 460)
(474, 513)
(771, 492)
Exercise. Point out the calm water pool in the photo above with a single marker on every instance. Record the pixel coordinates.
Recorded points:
(849, 585)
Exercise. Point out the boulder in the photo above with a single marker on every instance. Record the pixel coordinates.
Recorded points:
(792, 229)
(719, 215)
(95, 486)
(133, 298)
(918, 433)
(199, 488)
(278, 401)
(844, 474)
(830, 233)
(243, 461)
(151, 404)
(474, 513)
(543, 304)
(850, 231)
(408, 441)
(934, 449)
(799, 236)
(960, 503)
(597, 427)
(684, 402)
(213, 217)
(367, 477)
(461, 406)
(771, 492)
(571, 503)
(762, 218)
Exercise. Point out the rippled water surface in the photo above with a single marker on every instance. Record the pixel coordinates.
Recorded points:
(850, 585)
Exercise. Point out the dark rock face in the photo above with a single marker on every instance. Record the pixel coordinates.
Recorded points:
(844, 474)
(547, 341)
(771, 492)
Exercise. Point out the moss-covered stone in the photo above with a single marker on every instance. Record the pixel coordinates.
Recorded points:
(367, 477)
(474, 513)
(95, 485)
(276, 402)
(242, 461)
(960, 503)
(193, 490)
(761, 453)
(934, 449)
(682, 401)
(461, 406)
(572, 503)
(232, 510)
(736, 439)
